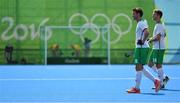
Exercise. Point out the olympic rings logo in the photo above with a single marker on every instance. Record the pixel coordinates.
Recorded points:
(110, 23)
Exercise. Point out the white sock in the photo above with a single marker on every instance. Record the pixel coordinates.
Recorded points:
(138, 79)
(148, 74)
(154, 68)
(164, 75)
(161, 75)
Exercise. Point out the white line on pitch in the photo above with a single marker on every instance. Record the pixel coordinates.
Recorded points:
(62, 79)
(89, 102)
(70, 79)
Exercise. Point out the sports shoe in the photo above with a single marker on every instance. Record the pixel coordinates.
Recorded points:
(165, 80)
(133, 90)
(157, 85)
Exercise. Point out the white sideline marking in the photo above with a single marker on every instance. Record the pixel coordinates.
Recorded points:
(62, 79)
(89, 102)
(70, 79)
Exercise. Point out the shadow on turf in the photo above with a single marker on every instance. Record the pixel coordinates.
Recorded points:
(153, 93)
(173, 90)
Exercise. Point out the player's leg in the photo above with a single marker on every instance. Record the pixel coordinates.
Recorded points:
(164, 79)
(152, 66)
(151, 63)
(8, 58)
(136, 88)
(139, 68)
(160, 72)
(148, 74)
(145, 56)
(141, 55)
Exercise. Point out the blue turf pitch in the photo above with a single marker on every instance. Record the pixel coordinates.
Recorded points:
(81, 84)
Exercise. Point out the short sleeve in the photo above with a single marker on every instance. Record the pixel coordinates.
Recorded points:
(160, 30)
(143, 25)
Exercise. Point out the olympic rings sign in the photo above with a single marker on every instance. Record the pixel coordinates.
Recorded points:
(110, 23)
(88, 22)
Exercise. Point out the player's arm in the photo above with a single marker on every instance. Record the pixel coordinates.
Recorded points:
(142, 40)
(146, 34)
(155, 38)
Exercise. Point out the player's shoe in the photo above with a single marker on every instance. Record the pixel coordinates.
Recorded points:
(165, 80)
(134, 90)
(157, 85)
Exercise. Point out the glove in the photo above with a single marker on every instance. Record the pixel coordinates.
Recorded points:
(140, 42)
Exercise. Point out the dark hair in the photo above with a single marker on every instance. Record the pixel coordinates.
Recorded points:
(158, 12)
(138, 10)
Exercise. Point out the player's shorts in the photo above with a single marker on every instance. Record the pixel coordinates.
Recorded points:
(157, 56)
(141, 55)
